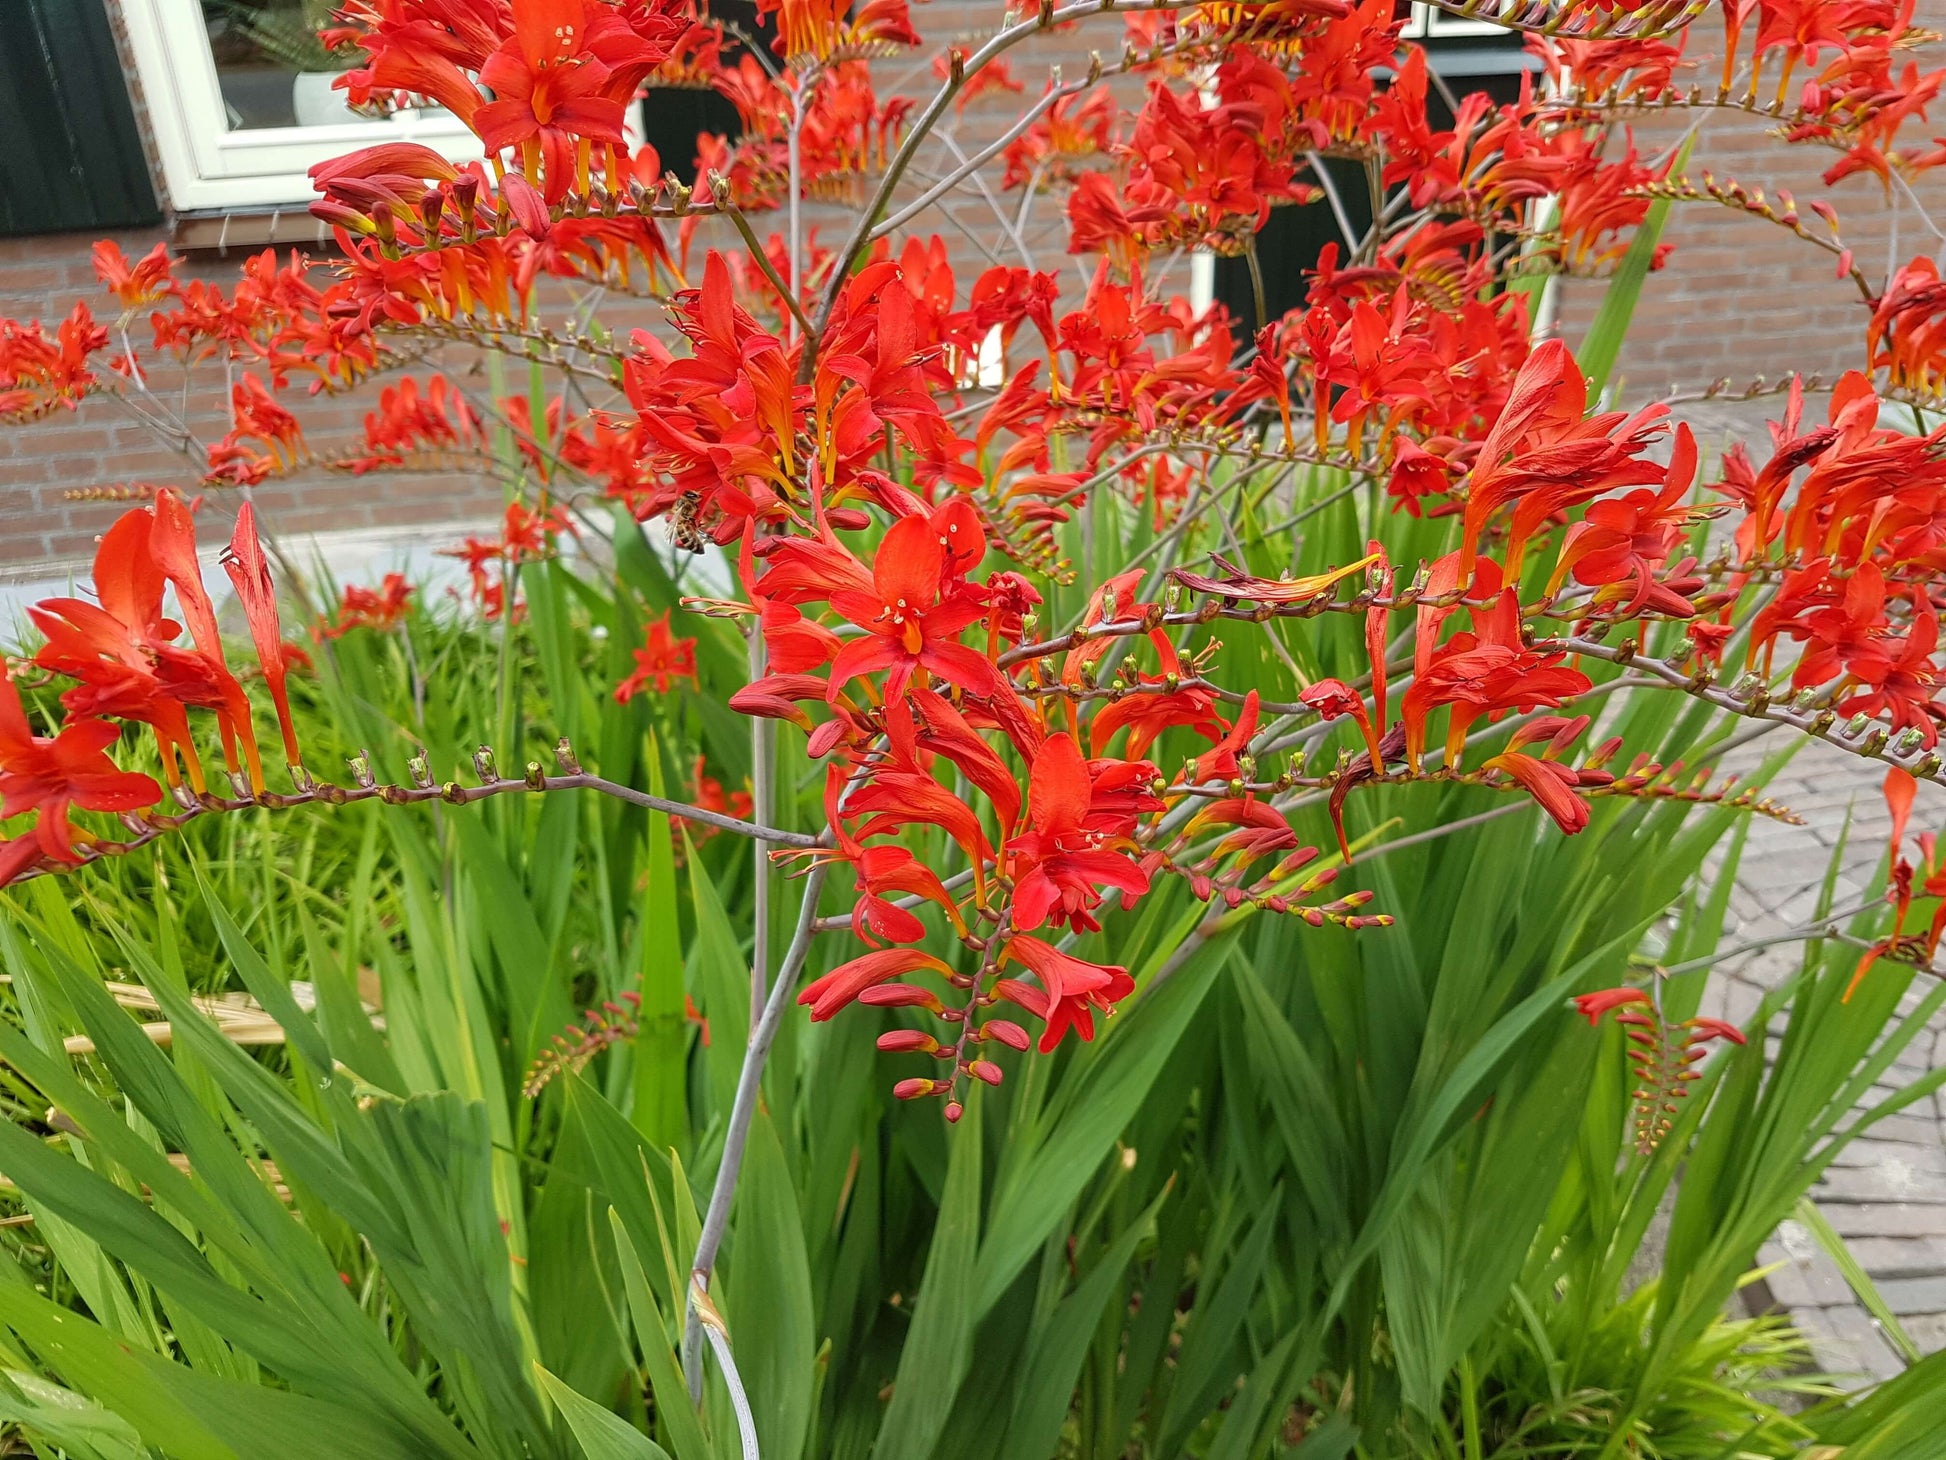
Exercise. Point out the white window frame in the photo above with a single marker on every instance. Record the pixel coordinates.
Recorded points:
(1430, 22)
(205, 165)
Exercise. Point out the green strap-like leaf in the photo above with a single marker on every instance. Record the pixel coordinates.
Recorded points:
(1052, 1367)
(601, 1433)
(769, 1299)
(1602, 345)
(680, 1421)
(939, 1346)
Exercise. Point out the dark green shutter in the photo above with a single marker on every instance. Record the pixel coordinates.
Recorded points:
(70, 157)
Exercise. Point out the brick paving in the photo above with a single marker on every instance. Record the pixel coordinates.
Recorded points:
(1886, 1192)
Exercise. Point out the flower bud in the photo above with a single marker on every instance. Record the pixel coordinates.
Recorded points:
(902, 995)
(913, 1089)
(1006, 1031)
(907, 1041)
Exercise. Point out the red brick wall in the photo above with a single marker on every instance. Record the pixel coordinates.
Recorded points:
(102, 444)
(1741, 297)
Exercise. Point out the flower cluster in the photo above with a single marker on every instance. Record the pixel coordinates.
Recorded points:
(1664, 1056)
(890, 450)
(125, 662)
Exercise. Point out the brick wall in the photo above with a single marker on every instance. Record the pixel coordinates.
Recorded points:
(104, 444)
(1739, 298)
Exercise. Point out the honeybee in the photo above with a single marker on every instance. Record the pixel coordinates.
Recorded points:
(683, 531)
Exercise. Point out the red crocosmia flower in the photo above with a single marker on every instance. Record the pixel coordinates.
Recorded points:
(1546, 779)
(1059, 866)
(775, 697)
(133, 284)
(708, 793)
(172, 539)
(1071, 989)
(909, 624)
(1487, 673)
(943, 730)
(1708, 1029)
(1333, 698)
(901, 794)
(1148, 713)
(1901, 789)
(880, 871)
(1707, 639)
(795, 644)
(1596, 1004)
(1378, 622)
(17, 856)
(827, 995)
(550, 89)
(50, 775)
(395, 172)
(371, 608)
(1622, 541)
(1261, 828)
(1123, 793)
(122, 650)
(1416, 474)
(249, 570)
(1220, 760)
(1547, 399)
(664, 660)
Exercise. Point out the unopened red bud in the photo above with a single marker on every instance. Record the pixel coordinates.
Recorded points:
(1006, 1031)
(954, 1110)
(985, 1070)
(913, 1089)
(900, 996)
(902, 1041)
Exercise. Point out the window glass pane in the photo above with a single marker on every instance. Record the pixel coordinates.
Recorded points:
(273, 70)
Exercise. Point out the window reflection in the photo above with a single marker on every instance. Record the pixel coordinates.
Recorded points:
(272, 68)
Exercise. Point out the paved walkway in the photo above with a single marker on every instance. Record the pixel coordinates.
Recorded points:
(1886, 1193)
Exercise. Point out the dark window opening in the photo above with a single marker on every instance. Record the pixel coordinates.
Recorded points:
(1290, 241)
(673, 116)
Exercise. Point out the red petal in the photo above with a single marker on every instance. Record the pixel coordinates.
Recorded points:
(1059, 791)
(249, 570)
(908, 567)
